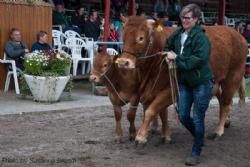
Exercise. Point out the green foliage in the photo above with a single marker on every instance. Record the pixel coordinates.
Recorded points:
(46, 63)
(52, 63)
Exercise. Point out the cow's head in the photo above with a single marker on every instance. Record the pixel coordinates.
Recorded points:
(138, 37)
(101, 65)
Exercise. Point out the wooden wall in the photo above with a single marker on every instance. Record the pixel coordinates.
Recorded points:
(29, 18)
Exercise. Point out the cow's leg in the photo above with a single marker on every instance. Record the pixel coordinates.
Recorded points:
(118, 127)
(154, 126)
(217, 91)
(166, 131)
(158, 104)
(229, 87)
(131, 117)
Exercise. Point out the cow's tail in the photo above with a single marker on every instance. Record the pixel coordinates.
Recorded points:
(242, 92)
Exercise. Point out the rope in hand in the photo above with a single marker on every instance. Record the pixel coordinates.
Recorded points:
(174, 87)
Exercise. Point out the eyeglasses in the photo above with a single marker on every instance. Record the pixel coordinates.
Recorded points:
(186, 18)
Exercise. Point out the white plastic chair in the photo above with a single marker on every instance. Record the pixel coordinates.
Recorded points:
(58, 39)
(229, 21)
(112, 51)
(76, 45)
(11, 71)
(90, 47)
(71, 34)
(57, 27)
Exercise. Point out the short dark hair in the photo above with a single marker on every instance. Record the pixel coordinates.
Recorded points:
(79, 7)
(92, 11)
(40, 34)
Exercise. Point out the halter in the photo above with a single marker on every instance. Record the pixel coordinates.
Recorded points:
(113, 87)
(140, 54)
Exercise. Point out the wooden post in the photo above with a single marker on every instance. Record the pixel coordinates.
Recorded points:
(106, 24)
(131, 7)
(222, 8)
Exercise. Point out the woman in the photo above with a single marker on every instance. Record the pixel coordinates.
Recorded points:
(190, 48)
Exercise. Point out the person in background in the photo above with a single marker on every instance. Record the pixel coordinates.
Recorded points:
(174, 9)
(59, 18)
(78, 18)
(15, 48)
(239, 27)
(160, 6)
(92, 27)
(113, 35)
(190, 47)
(164, 19)
(42, 42)
(246, 33)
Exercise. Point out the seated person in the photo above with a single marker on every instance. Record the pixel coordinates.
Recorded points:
(78, 17)
(246, 33)
(15, 49)
(113, 36)
(42, 42)
(59, 17)
(92, 27)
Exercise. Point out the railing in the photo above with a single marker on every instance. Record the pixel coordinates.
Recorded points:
(118, 44)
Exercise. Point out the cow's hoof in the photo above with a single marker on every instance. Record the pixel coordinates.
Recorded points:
(154, 132)
(131, 137)
(162, 140)
(227, 124)
(213, 136)
(140, 141)
(138, 144)
(117, 140)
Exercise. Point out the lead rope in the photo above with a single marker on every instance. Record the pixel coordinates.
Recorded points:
(113, 87)
(175, 93)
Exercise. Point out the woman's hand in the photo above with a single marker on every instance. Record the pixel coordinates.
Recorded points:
(170, 55)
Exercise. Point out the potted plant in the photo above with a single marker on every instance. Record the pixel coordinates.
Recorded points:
(47, 73)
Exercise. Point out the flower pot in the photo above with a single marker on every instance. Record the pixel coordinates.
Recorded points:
(46, 89)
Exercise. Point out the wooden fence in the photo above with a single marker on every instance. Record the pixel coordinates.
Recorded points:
(29, 18)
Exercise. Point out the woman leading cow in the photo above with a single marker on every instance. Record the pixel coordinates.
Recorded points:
(190, 48)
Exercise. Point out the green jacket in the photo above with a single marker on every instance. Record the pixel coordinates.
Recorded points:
(194, 63)
(60, 19)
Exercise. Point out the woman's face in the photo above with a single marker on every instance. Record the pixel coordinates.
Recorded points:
(188, 21)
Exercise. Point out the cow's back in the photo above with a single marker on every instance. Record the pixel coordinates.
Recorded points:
(228, 52)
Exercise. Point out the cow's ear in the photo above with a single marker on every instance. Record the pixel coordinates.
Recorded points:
(123, 18)
(155, 25)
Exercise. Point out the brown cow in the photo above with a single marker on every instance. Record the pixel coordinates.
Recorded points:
(122, 86)
(228, 56)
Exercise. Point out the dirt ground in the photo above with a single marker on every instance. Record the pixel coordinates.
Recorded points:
(85, 137)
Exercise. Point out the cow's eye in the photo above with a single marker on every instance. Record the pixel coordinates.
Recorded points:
(105, 65)
(140, 39)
